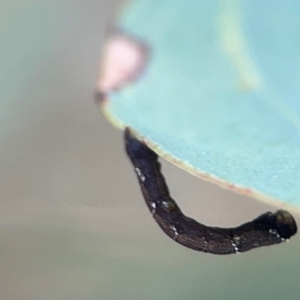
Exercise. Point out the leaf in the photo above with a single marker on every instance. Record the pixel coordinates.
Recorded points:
(220, 94)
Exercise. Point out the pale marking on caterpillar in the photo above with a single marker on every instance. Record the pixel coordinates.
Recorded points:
(140, 174)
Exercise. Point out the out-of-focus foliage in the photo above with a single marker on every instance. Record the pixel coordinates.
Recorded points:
(220, 96)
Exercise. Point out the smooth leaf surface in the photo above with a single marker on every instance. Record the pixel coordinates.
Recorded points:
(220, 95)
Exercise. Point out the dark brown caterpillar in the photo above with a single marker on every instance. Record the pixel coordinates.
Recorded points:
(267, 229)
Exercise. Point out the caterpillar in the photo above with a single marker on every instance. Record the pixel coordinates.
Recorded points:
(267, 229)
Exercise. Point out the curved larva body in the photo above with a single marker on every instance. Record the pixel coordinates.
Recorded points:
(267, 229)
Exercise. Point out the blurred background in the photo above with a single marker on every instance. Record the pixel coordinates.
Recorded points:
(73, 223)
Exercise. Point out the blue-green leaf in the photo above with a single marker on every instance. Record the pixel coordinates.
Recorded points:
(220, 95)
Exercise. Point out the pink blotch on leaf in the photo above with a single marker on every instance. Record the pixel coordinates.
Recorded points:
(123, 62)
